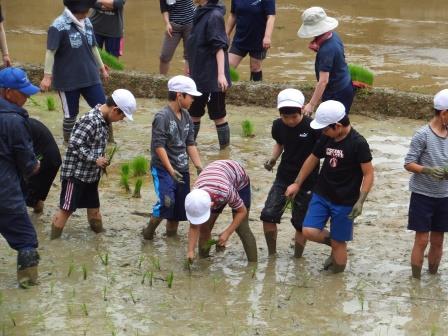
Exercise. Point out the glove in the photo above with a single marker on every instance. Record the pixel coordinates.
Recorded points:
(198, 170)
(177, 177)
(269, 164)
(437, 173)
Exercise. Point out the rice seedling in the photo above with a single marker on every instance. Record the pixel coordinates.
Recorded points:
(124, 177)
(360, 293)
(155, 263)
(288, 205)
(39, 157)
(51, 103)
(140, 261)
(137, 188)
(84, 272)
(234, 75)
(12, 319)
(73, 292)
(132, 296)
(125, 169)
(254, 271)
(169, 279)
(71, 268)
(1, 298)
(187, 264)
(110, 60)
(104, 258)
(139, 166)
(84, 309)
(105, 293)
(145, 275)
(210, 243)
(51, 287)
(34, 102)
(151, 277)
(361, 77)
(248, 128)
(434, 330)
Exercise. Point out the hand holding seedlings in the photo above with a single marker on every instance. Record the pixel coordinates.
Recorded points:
(177, 176)
(435, 172)
(102, 162)
(222, 239)
(292, 190)
(270, 164)
(198, 170)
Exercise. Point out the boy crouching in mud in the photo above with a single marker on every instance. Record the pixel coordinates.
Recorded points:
(344, 181)
(85, 158)
(427, 159)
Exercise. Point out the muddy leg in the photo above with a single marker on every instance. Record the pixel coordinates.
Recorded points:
(171, 228)
(299, 244)
(339, 255)
(39, 207)
(248, 240)
(59, 220)
(95, 220)
(435, 251)
(205, 233)
(150, 229)
(27, 261)
(418, 250)
(270, 234)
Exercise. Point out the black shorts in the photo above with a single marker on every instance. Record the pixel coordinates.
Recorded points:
(216, 105)
(428, 213)
(76, 194)
(259, 54)
(276, 202)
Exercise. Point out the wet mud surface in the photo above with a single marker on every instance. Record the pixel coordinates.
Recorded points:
(114, 283)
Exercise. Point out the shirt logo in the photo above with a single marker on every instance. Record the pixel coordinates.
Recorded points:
(256, 2)
(334, 155)
(303, 135)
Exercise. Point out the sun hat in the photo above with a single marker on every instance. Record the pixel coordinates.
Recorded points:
(315, 22)
(328, 112)
(290, 98)
(79, 6)
(197, 206)
(441, 100)
(125, 101)
(183, 84)
(16, 79)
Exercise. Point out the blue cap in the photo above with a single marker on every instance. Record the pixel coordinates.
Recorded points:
(16, 78)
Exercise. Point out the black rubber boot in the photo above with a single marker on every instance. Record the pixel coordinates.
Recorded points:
(150, 229)
(223, 131)
(271, 241)
(256, 76)
(27, 261)
(67, 126)
(248, 240)
(196, 128)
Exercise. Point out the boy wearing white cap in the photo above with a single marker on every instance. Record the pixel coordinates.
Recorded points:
(172, 144)
(85, 159)
(427, 159)
(344, 181)
(294, 141)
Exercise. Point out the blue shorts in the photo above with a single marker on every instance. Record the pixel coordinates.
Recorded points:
(170, 195)
(428, 213)
(245, 196)
(345, 96)
(320, 209)
(18, 231)
(93, 95)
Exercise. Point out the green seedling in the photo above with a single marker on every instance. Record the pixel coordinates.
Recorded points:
(138, 187)
(1, 298)
(105, 293)
(73, 292)
(248, 128)
(84, 309)
(124, 182)
(139, 166)
(132, 296)
(187, 264)
(234, 75)
(51, 103)
(151, 277)
(71, 268)
(51, 287)
(145, 275)
(110, 152)
(110, 60)
(360, 75)
(84, 272)
(360, 293)
(288, 205)
(13, 320)
(169, 279)
(104, 258)
(254, 271)
(125, 169)
(34, 102)
(210, 243)
(155, 263)
(140, 261)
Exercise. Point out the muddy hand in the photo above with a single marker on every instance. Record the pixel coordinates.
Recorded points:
(437, 173)
(270, 164)
(222, 240)
(177, 176)
(356, 211)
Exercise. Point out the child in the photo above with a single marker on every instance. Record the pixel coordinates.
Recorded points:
(222, 182)
(17, 161)
(427, 159)
(209, 67)
(172, 144)
(72, 61)
(295, 140)
(84, 159)
(344, 181)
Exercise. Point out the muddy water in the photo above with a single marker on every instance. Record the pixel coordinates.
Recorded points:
(223, 294)
(403, 42)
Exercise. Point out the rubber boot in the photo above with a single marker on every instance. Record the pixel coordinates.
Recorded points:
(271, 242)
(248, 240)
(150, 229)
(298, 250)
(256, 76)
(27, 261)
(416, 271)
(55, 232)
(67, 126)
(223, 131)
(96, 225)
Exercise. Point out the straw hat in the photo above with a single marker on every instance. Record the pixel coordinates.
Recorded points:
(316, 22)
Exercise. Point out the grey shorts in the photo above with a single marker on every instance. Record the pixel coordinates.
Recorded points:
(170, 44)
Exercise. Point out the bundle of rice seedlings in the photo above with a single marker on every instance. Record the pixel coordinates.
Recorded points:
(248, 128)
(51, 103)
(110, 60)
(110, 152)
(234, 75)
(124, 177)
(361, 77)
(139, 166)
(138, 187)
(169, 279)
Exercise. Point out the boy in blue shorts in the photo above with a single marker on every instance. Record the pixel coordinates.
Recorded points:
(172, 144)
(427, 159)
(344, 181)
(294, 141)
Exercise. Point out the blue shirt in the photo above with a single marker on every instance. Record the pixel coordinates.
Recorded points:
(74, 63)
(251, 17)
(331, 58)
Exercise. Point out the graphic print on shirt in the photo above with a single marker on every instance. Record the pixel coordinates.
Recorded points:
(334, 155)
(182, 159)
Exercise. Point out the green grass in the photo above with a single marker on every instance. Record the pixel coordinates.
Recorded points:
(248, 128)
(110, 60)
(361, 74)
(139, 166)
(234, 75)
(138, 187)
(51, 103)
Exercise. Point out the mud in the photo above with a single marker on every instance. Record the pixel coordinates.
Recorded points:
(115, 283)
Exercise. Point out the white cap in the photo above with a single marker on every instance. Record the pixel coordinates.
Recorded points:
(183, 84)
(441, 100)
(316, 22)
(329, 112)
(290, 98)
(197, 206)
(125, 101)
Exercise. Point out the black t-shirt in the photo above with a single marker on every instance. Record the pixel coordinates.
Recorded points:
(341, 175)
(298, 143)
(1, 14)
(44, 144)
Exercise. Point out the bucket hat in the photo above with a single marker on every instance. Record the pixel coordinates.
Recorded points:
(329, 112)
(315, 22)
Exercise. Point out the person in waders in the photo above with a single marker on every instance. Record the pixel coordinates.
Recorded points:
(172, 145)
(427, 159)
(344, 181)
(85, 160)
(221, 182)
(17, 161)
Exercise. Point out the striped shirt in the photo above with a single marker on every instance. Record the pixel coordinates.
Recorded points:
(181, 13)
(222, 179)
(429, 150)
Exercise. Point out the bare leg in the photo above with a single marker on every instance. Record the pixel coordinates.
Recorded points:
(149, 231)
(234, 60)
(339, 253)
(205, 233)
(58, 223)
(299, 245)
(95, 219)
(164, 67)
(248, 240)
(270, 234)
(435, 251)
(418, 251)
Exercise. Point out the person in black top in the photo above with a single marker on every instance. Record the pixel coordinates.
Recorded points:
(36, 188)
(295, 140)
(344, 181)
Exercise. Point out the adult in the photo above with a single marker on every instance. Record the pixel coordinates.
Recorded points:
(3, 44)
(333, 77)
(178, 17)
(254, 21)
(17, 161)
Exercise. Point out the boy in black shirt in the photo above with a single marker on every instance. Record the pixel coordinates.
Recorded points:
(343, 183)
(295, 140)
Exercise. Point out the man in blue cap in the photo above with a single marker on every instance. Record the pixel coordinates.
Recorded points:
(17, 161)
